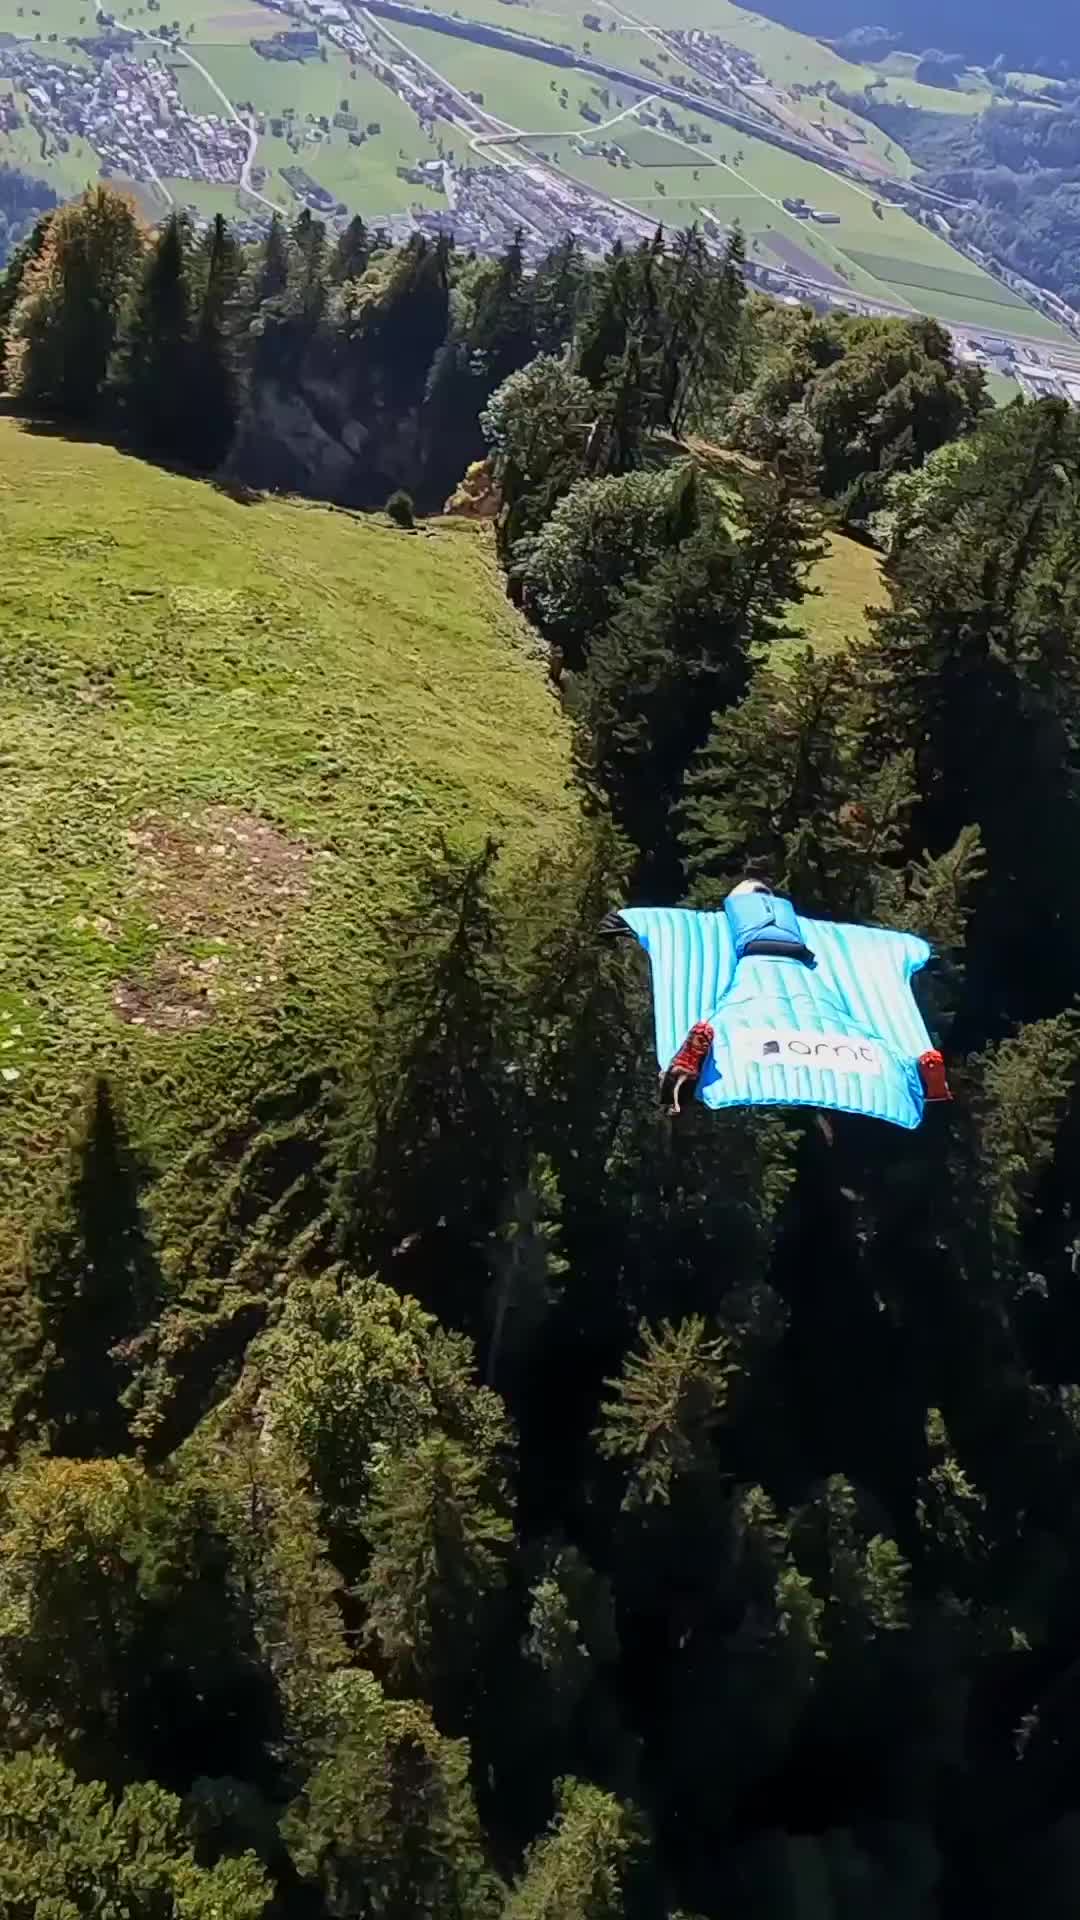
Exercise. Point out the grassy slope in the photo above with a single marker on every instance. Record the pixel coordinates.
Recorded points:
(231, 733)
(845, 582)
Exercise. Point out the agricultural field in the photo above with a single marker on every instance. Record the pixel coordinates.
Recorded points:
(68, 171)
(522, 92)
(873, 249)
(619, 45)
(59, 18)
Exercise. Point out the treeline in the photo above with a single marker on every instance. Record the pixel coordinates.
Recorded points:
(1019, 164)
(348, 368)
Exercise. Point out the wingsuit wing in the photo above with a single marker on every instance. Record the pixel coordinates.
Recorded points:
(692, 960)
(844, 1035)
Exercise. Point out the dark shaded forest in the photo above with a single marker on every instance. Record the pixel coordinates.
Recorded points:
(1043, 37)
(516, 1503)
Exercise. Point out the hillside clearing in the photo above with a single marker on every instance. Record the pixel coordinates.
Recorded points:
(845, 583)
(232, 735)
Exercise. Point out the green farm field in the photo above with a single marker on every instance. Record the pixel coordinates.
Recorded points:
(60, 17)
(68, 169)
(236, 733)
(619, 45)
(515, 88)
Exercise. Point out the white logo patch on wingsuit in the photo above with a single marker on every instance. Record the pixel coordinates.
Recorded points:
(788, 1047)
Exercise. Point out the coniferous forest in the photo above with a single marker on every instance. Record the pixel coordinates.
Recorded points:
(503, 1500)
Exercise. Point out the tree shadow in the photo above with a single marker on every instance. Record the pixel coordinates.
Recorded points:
(42, 426)
(96, 1281)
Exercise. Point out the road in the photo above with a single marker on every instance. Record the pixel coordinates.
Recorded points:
(587, 132)
(106, 18)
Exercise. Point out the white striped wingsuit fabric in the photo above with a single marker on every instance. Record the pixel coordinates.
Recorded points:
(859, 992)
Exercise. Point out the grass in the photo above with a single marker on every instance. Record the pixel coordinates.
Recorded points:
(232, 734)
(516, 88)
(67, 172)
(206, 198)
(933, 279)
(618, 45)
(212, 20)
(62, 17)
(846, 582)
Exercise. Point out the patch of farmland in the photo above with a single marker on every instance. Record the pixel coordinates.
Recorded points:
(934, 279)
(790, 254)
(648, 149)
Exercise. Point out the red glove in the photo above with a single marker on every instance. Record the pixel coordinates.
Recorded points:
(932, 1074)
(694, 1051)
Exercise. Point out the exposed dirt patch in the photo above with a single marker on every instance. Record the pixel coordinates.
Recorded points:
(166, 1002)
(221, 873)
(214, 879)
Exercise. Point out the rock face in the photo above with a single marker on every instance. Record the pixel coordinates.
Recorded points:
(478, 497)
(307, 439)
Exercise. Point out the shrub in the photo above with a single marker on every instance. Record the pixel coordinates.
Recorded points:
(400, 508)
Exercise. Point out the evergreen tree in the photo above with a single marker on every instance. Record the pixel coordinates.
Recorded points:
(213, 391)
(64, 324)
(70, 1604)
(440, 1537)
(386, 1826)
(67, 1846)
(11, 281)
(589, 1867)
(560, 289)
(430, 1139)
(274, 262)
(150, 372)
(351, 254)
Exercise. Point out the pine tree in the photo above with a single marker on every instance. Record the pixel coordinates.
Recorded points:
(677, 652)
(431, 1136)
(150, 372)
(64, 325)
(672, 655)
(672, 1393)
(559, 290)
(272, 264)
(213, 398)
(351, 254)
(591, 1864)
(11, 281)
(440, 1534)
(62, 1835)
(386, 1825)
